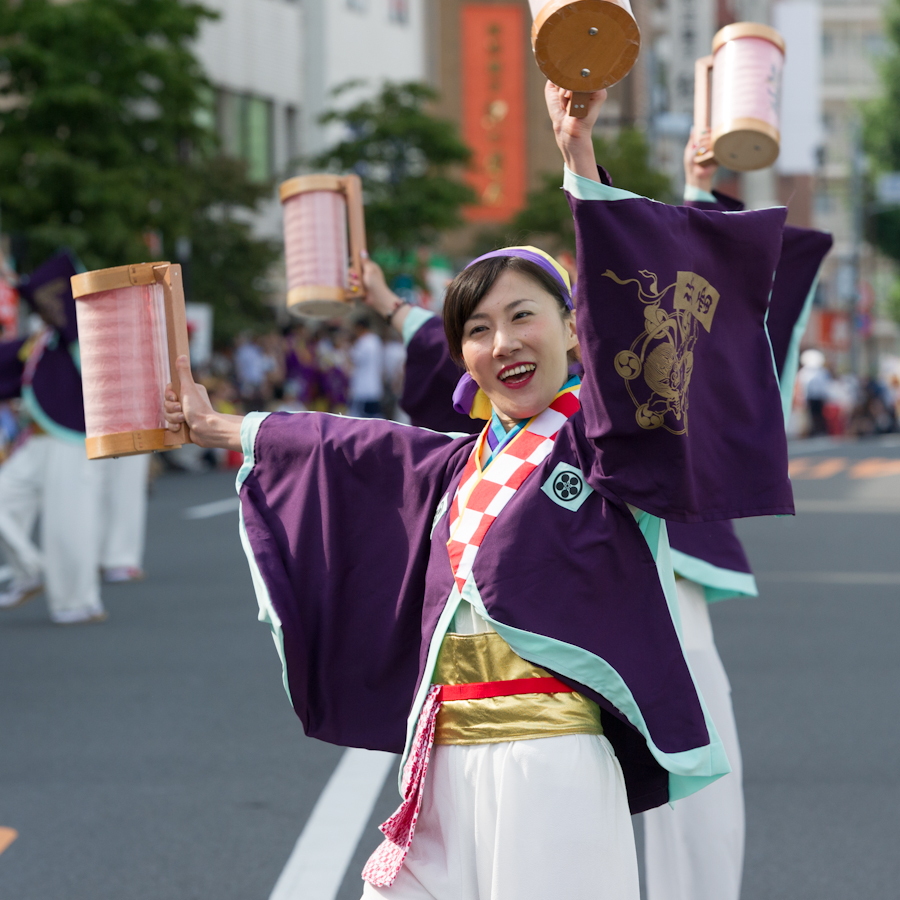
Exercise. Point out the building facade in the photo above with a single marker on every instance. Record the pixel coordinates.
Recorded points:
(274, 64)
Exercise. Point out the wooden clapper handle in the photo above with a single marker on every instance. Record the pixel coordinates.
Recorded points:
(169, 276)
(702, 90)
(356, 225)
(578, 105)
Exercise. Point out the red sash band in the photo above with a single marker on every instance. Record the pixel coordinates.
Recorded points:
(481, 690)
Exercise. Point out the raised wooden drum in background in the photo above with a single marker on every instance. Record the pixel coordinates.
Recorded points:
(131, 329)
(737, 96)
(324, 237)
(584, 45)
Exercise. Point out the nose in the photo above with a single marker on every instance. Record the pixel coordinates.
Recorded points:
(505, 343)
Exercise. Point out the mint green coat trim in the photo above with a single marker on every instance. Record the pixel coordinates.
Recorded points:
(792, 360)
(249, 430)
(693, 194)
(657, 537)
(717, 583)
(267, 614)
(414, 320)
(75, 353)
(582, 188)
(689, 770)
(434, 648)
(40, 418)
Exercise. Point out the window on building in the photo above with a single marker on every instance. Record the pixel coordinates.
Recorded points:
(244, 123)
(825, 203)
(291, 133)
(875, 44)
(398, 11)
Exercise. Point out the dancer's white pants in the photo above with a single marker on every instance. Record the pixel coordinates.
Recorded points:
(54, 479)
(696, 850)
(523, 820)
(124, 517)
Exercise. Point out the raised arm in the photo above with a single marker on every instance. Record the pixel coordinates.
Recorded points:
(430, 375)
(680, 399)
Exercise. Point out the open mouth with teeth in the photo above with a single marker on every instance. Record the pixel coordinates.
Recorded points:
(516, 376)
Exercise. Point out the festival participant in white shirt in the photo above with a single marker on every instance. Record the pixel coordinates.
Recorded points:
(367, 377)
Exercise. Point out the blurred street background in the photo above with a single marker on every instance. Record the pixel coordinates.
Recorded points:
(156, 755)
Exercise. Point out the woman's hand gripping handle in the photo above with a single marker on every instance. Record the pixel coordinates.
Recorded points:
(208, 427)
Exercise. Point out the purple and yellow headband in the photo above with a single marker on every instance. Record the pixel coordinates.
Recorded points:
(468, 398)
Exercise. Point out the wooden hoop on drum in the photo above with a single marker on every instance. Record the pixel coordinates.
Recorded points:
(585, 46)
(329, 300)
(169, 278)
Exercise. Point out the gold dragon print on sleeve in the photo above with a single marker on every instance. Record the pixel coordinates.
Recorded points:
(664, 351)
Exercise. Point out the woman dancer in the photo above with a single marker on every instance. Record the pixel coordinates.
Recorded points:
(505, 599)
(693, 851)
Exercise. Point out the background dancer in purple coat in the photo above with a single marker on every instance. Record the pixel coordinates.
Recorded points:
(695, 851)
(50, 477)
(510, 597)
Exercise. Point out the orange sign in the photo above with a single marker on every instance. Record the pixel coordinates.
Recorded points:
(830, 329)
(493, 103)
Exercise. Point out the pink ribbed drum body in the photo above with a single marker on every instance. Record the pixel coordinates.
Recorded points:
(124, 359)
(746, 82)
(315, 240)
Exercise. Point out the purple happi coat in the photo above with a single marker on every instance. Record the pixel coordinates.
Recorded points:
(345, 521)
(430, 377)
(52, 395)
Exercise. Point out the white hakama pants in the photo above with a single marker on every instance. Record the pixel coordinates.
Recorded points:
(696, 850)
(521, 820)
(55, 480)
(124, 518)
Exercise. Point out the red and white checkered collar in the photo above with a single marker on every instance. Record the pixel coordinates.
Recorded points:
(482, 495)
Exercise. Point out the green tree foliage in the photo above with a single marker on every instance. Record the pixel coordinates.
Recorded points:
(546, 217)
(228, 266)
(409, 162)
(106, 135)
(881, 136)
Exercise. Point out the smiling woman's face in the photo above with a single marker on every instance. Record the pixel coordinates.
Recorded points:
(516, 344)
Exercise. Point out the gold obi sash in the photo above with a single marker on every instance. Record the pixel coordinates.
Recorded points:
(472, 658)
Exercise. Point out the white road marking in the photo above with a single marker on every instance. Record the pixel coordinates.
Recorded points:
(324, 849)
(833, 577)
(216, 508)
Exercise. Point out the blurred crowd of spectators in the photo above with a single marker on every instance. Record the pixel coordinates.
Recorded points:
(842, 405)
(353, 368)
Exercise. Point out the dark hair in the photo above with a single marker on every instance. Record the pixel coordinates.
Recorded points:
(470, 287)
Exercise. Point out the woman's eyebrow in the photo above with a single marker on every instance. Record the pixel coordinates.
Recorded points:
(511, 305)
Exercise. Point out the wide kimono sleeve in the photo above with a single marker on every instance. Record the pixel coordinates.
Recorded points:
(803, 251)
(11, 369)
(680, 395)
(336, 516)
(431, 376)
(802, 255)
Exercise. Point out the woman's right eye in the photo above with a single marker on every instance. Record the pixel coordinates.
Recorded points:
(477, 329)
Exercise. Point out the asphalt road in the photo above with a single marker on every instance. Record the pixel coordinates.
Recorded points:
(156, 755)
